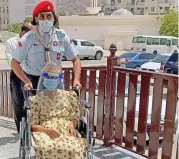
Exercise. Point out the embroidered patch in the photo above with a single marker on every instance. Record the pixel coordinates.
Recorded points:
(59, 43)
(55, 43)
(58, 56)
(19, 44)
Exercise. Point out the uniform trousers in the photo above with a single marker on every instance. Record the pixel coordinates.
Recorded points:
(17, 95)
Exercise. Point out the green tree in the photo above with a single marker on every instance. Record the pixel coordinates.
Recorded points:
(28, 19)
(13, 28)
(169, 25)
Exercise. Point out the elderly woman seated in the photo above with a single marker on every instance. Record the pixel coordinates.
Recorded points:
(54, 116)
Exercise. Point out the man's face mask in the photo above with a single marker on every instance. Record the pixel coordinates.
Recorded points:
(45, 25)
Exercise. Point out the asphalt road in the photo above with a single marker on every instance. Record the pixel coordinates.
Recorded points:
(90, 62)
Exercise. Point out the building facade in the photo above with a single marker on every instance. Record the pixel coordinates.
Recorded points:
(104, 30)
(141, 7)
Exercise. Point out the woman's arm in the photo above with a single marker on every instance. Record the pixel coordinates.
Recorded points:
(38, 128)
(50, 132)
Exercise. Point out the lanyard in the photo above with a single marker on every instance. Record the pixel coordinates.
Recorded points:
(46, 46)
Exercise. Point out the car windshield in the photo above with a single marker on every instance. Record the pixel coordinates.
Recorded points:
(128, 55)
(160, 58)
(173, 58)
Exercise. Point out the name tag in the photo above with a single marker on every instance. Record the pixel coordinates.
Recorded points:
(59, 56)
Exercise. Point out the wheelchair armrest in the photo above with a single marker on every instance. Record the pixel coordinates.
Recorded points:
(85, 104)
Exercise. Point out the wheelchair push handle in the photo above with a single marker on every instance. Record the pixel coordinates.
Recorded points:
(76, 89)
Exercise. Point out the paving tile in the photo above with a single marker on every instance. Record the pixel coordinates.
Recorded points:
(9, 145)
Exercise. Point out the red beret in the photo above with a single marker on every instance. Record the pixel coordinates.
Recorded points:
(44, 6)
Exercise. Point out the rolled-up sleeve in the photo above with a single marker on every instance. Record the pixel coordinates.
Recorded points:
(70, 49)
(35, 110)
(9, 52)
(22, 49)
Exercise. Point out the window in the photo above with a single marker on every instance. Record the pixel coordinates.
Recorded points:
(153, 41)
(128, 55)
(161, 8)
(4, 21)
(167, 8)
(163, 41)
(160, 58)
(139, 40)
(173, 58)
(174, 41)
(75, 42)
(142, 0)
(3, 10)
(86, 43)
(152, 9)
(7, 21)
(7, 9)
(146, 56)
(112, 2)
(119, 1)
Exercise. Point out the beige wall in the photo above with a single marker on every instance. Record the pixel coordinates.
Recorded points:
(104, 30)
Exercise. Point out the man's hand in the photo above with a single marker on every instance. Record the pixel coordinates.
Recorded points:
(28, 86)
(77, 84)
(52, 133)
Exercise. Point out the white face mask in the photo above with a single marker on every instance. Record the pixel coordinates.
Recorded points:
(45, 25)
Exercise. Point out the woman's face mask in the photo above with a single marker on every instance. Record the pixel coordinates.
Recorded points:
(45, 25)
(50, 84)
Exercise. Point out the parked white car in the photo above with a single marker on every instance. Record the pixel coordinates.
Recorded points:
(88, 50)
(155, 64)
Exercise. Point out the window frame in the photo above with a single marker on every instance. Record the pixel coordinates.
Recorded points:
(88, 43)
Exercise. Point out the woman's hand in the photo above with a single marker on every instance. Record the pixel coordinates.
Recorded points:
(73, 131)
(52, 133)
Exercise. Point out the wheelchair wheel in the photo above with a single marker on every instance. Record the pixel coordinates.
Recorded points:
(22, 151)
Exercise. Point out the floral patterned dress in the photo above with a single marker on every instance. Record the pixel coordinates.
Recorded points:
(56, 114)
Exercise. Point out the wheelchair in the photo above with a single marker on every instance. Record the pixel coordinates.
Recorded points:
(25, 128)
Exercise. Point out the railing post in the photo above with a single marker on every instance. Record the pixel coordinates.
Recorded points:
(109, 106)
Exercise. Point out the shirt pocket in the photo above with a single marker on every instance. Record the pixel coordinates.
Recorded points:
(36, 49)
(57, 53)
(37, 56)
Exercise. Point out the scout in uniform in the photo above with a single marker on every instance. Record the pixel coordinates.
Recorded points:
(45, 43)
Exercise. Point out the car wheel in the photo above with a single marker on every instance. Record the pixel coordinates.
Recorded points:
(98, 55)
(86, 58)
(155, 52)
(137, 67)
